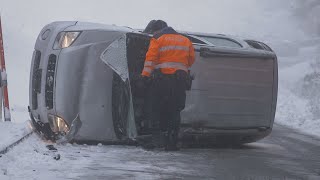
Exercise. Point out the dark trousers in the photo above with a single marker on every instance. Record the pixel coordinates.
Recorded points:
(168, 96)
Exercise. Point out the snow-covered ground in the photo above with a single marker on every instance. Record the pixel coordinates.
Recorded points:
(32, 160)
(12, 132)
(285, 155)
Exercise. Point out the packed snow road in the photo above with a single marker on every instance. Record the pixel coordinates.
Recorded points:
(285, 154)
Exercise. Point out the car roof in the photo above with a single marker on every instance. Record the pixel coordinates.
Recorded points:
(82, 26)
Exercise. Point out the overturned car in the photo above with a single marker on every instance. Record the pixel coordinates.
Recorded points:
(82, 86)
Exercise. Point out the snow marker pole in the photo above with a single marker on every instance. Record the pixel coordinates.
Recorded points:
(4, 82)
(1, 100)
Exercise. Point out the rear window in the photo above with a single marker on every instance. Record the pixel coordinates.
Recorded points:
(255, 45)
(258, 45)
(224, 42)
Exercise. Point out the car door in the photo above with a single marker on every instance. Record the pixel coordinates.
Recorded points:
(115, 56)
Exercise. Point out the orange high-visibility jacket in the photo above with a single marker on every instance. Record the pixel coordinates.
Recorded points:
(169, 52)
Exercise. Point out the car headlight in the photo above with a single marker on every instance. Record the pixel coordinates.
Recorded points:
(65, 39)
(57, 124)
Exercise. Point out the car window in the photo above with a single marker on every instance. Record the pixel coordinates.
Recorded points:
(255, 45)
(195, 40)
(258, 45)
(266, 47)
(217, 41)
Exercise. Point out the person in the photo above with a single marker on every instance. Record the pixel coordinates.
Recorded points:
(167, 63)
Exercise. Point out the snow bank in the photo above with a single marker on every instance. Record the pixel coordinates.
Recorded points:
(32, 160)
(299, 91)
(12, 132)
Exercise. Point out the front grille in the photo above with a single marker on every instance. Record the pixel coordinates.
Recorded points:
(50, 80)
(36, 79)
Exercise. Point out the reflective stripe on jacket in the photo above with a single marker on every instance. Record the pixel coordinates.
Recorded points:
(170, 52)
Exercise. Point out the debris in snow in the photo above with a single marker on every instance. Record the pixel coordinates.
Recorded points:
(51, 152)
(51, 147)
(57, 157)
(4, 171)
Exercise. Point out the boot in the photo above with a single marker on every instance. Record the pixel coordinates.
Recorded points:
(171, 142)
(173, 131)
(157, 142)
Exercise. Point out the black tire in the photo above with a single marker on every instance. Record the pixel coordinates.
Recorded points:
(120, 106)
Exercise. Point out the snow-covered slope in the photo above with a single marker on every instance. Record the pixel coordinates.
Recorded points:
(299, 96)
(287, 25)
(299, 73)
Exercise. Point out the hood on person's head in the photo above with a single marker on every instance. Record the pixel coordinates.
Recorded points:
(155, 26)
(149, 28)
(159, 25)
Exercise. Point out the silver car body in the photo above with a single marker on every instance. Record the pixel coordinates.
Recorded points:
(233, 95)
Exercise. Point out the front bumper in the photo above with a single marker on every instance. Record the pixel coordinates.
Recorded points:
(45, 130)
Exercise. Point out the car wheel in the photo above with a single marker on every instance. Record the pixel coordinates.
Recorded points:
(120, 106)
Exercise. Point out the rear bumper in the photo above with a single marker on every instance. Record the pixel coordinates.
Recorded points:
(222, 136)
